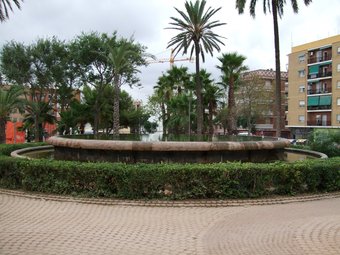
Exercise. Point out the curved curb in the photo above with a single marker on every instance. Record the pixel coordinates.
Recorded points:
(307, 152)
(17, 153)
(166, 203)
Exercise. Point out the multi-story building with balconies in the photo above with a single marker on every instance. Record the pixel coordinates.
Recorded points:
(314, 86)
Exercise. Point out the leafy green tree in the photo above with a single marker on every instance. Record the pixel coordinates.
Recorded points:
(195, 32)
(37, 67)
(105, 59)
(15, 63)
(252, 100)
(90, 53)
(10, 100)
(221, 118)
(6, 6)
(325, 141)
(276, 8)
(69, 78)
(231, 67)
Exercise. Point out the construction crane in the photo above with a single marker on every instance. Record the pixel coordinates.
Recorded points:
(171, 60)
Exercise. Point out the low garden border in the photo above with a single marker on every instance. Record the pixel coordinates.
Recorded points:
(168, 181)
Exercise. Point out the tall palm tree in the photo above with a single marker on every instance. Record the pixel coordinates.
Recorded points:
(173, 83)
(212, 96)
(9, 100)
(276, 7)
(195, 31)
(125, 57)
(5, 6)
(178, 78)
(162, 95)
(120, 58)
(231, 67)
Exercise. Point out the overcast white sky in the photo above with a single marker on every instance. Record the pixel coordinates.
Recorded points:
(146, 20)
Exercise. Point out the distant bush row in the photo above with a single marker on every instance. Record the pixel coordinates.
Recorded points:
(170, 181)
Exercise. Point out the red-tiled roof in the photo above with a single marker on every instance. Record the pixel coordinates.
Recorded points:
(266, 74)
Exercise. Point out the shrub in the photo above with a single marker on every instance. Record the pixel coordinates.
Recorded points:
(169, 181)
(326, 141)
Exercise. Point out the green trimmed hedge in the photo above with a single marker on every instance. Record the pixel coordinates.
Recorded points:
(173, 181)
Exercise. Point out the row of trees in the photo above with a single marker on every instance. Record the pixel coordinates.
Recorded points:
(195, 33)
(52, 71)
(174, 99)
(107, 60)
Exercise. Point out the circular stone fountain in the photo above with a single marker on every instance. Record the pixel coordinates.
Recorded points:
(157, 152)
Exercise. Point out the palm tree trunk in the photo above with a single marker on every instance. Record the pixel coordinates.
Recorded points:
(278, 106)
(96, 117)
(211, 126)
(3, 130)
(163, 118)
(116, 123)
(231, 110)
(198, 93)
(36, 130)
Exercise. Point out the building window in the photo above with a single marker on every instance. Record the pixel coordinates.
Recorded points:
(338, 85)
(338, 101)
(338, 50)
(301, 73)
(338, 118)
(301, 118)
(302, 103)
(267, 85)
(302, 89)
(338, 67)
(302, 58)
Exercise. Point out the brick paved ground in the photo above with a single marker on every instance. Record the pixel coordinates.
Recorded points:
(46, 225)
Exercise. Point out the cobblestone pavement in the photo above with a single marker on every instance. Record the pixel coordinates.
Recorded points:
(36, 225)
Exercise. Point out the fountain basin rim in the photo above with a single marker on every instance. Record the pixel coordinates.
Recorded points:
(114, 145)
(21, 152)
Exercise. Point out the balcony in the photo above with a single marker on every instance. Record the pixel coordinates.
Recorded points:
(319, 123)
(317, 91)
(319, 108)
(319, 103)
(320, 75)
(316, 59)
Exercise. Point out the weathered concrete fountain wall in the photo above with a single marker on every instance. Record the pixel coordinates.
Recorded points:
(156, 152)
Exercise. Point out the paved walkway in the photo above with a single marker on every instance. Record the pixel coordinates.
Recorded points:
(48, 225)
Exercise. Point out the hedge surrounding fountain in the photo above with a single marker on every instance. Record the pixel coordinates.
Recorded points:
(170, 181)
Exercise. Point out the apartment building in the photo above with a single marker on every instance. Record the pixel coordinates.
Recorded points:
(314, 86)
(265, 100)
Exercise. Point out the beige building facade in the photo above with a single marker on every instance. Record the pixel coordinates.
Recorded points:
(314, 86)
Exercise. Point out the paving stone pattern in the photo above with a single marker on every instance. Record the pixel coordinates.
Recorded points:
(46, 225)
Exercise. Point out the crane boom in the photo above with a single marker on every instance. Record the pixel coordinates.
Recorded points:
(171, 60)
